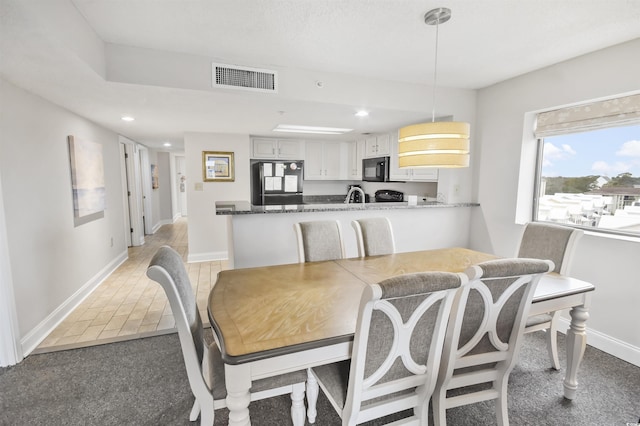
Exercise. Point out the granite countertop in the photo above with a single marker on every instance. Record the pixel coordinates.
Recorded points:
(245, 207)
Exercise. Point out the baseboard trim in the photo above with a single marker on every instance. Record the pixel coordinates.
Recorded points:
(33, 338)
(608, 344)
(207, 257)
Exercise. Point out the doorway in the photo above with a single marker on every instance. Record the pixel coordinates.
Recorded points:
(181, 183)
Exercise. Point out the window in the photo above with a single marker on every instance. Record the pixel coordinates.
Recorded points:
(588, 169)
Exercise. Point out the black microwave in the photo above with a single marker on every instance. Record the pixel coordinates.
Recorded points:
(375, 169)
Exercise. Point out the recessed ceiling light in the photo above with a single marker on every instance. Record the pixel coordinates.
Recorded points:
(292, 128)
(127, 118)
(362, 113)
(167, 144)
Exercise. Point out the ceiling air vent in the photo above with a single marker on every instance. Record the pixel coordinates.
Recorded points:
(245, 78)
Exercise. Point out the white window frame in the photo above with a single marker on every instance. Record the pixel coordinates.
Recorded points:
(530, 170)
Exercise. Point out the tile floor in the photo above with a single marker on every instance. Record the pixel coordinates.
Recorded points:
(127, 304)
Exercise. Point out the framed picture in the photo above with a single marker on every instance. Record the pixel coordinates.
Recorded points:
(155, 178)
(217, 166)
(87, 180)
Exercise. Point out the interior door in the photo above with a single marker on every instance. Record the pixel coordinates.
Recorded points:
(182, 185)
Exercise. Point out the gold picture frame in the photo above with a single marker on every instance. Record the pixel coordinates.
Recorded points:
(217, 166)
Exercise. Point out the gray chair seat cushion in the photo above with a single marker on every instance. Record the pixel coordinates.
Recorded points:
(538, 319)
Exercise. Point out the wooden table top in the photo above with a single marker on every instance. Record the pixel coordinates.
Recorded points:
(261, 312)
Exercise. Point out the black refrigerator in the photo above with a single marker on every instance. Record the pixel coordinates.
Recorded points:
(276, 182)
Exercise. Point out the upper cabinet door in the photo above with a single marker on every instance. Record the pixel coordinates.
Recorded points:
(325, 160)
(356, 154)
(290, 149)
(377, 146)
(313, 162)
(285, 149)
(264, 148)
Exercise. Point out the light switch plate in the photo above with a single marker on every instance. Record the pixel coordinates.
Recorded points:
(199, 186)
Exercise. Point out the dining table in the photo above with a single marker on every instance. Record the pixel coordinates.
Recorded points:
(276, 319)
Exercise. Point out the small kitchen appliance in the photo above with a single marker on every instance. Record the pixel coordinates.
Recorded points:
(375, 169)
(389, 195)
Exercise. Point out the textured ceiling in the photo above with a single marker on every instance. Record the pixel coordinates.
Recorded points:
(60, 49)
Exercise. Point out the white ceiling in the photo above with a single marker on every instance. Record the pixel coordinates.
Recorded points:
(70, 52)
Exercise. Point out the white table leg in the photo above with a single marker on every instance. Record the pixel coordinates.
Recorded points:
(576, 344)
(238, 381)
(312, 396)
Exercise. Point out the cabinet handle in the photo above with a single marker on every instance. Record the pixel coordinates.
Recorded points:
(273, 151)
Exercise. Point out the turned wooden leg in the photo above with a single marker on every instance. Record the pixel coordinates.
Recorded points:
(576, 344)
(238, 380)
(552, 341)
(297, 405)
(312, 396)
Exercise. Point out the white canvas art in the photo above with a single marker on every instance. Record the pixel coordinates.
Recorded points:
(87, 179)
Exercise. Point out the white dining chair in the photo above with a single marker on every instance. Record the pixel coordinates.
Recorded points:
(374, 236)
(484, 335)
(203, 361)
(557, 243)
(319, 240)
(396, 349)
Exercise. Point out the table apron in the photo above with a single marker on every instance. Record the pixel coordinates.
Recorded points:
(299, 360)
(564, 302)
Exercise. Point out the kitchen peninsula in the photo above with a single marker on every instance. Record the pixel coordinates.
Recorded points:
(264, 235)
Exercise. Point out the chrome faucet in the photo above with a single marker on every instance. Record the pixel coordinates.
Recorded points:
(351, 190)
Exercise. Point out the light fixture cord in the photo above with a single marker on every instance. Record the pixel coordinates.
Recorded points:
(435, 75)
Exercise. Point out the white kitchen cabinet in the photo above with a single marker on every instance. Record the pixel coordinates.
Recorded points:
(356, 154)
(426, 174)
(377, 146)
(325, 160)
(285, 149)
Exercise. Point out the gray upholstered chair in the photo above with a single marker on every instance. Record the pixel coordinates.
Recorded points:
(374, 236)
(557, 243)
(396, 350)
(319, 240)
(203, 362)
(484, 335)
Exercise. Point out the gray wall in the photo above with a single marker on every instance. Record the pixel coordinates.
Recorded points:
(50, 259)
(611, 264)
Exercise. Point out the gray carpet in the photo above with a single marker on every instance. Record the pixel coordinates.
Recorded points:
(143, 382)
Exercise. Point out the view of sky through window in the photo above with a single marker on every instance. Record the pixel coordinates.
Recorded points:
(606, 152)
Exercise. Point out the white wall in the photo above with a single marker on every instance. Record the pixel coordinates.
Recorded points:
(165, 180)
(53, 264)
(161, 197)
(208, 233)
(609, 264)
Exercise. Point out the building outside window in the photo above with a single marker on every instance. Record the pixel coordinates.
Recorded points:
(588, 172)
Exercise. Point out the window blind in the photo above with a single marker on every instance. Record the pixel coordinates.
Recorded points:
(590, 116)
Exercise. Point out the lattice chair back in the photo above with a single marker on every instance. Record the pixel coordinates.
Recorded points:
(484, 333)
(398, 344)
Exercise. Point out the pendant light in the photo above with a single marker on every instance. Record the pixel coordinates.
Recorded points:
(434, 144)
